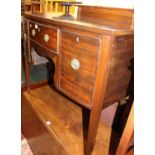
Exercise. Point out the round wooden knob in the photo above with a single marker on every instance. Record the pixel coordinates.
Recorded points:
(75, 64)
(46, 37)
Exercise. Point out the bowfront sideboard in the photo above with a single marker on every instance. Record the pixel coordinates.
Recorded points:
(92, 55)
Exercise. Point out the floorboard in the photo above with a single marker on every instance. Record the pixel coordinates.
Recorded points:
(62, 120)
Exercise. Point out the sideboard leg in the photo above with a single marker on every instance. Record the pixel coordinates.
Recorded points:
(100, 88)
(92, 131)
(27, 74)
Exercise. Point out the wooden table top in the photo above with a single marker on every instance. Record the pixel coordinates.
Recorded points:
(51, 18)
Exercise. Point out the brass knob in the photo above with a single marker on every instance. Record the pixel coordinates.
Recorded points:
(36, 26)
(46, 38)
(33, 32)
(75, 64)
(48, 122)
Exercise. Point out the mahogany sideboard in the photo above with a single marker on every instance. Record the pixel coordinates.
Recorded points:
(92, 55)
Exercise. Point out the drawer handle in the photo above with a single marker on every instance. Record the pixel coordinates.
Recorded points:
(75, 64)
(36, 26)
(46, 37)
(33, 32)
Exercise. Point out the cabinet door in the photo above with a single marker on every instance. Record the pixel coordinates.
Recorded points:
(79, 55)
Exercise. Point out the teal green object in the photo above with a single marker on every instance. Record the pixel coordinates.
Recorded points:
(37, 73)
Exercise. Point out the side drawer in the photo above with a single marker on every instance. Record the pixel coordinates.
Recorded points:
(79, 55)
(46, 36)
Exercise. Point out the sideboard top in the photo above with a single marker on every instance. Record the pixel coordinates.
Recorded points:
(111, 21)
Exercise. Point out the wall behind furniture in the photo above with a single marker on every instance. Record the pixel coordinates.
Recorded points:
(111, 3)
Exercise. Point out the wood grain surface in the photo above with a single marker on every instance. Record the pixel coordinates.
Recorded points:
(65, 134)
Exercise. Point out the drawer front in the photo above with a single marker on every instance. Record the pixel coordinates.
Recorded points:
(79, 56)
(46, 36)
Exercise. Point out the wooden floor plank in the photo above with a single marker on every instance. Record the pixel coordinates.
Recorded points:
(65, 117)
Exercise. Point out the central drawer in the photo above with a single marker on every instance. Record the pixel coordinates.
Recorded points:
(44, 35)
(79, 55)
